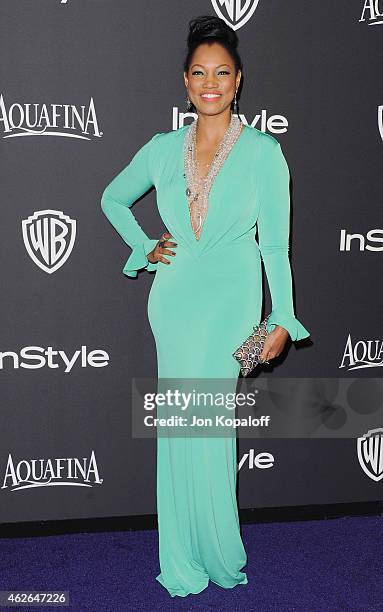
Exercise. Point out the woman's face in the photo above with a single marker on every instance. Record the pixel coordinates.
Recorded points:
(211, 70)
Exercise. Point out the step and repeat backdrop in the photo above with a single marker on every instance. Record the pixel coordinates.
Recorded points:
(84, 84)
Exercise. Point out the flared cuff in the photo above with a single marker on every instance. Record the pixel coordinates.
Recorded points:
(295, 328)
(138, 260)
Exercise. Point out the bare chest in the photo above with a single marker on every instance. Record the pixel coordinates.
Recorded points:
(205, 156)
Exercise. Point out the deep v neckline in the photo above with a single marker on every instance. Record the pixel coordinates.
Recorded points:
(203, 178)
(225, 165)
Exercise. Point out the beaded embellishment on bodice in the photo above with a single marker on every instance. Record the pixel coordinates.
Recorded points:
(198, 187)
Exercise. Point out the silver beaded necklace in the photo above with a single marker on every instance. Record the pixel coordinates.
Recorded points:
(198, 188)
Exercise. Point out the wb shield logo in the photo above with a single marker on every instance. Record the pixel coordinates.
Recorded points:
(49, 237)
(370, 453)
(235, 12)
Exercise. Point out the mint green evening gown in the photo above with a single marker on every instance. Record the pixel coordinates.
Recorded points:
(200, 308)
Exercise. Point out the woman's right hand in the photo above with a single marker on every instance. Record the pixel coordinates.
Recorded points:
(161, 249)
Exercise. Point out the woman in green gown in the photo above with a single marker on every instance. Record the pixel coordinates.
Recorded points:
(206, 295)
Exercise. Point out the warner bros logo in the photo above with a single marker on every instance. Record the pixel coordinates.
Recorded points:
(370, 453)
(235, 12)
(49, 237)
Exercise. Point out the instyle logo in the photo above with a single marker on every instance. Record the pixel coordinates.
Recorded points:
(37, 357)
(372, 11)
(380, 120)
(68, 471)
(235, 12)
(261, 461)
(362, 354)
(27, 119)
(370, 453)
(275, 124)
(49, 237)
(360, 242)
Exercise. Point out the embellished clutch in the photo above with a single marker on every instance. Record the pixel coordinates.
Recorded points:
(248, 354)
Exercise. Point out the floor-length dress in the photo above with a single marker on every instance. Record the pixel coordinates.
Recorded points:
(201, 307)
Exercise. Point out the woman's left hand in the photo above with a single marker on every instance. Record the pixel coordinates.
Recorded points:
(274, 343)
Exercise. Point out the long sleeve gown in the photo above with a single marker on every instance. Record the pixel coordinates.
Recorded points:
(201, 307)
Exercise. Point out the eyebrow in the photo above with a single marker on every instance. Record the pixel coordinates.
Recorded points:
(204, 66)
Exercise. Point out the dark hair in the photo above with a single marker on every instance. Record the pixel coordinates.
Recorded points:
(210, 29)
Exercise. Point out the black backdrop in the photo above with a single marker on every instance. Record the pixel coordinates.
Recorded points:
(102, 77)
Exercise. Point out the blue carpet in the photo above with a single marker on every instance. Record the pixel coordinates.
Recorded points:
(331, 565)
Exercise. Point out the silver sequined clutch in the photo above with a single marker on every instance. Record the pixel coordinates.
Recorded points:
(249, 352)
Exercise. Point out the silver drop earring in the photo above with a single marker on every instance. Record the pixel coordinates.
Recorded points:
(189, 104)
(235, 109)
